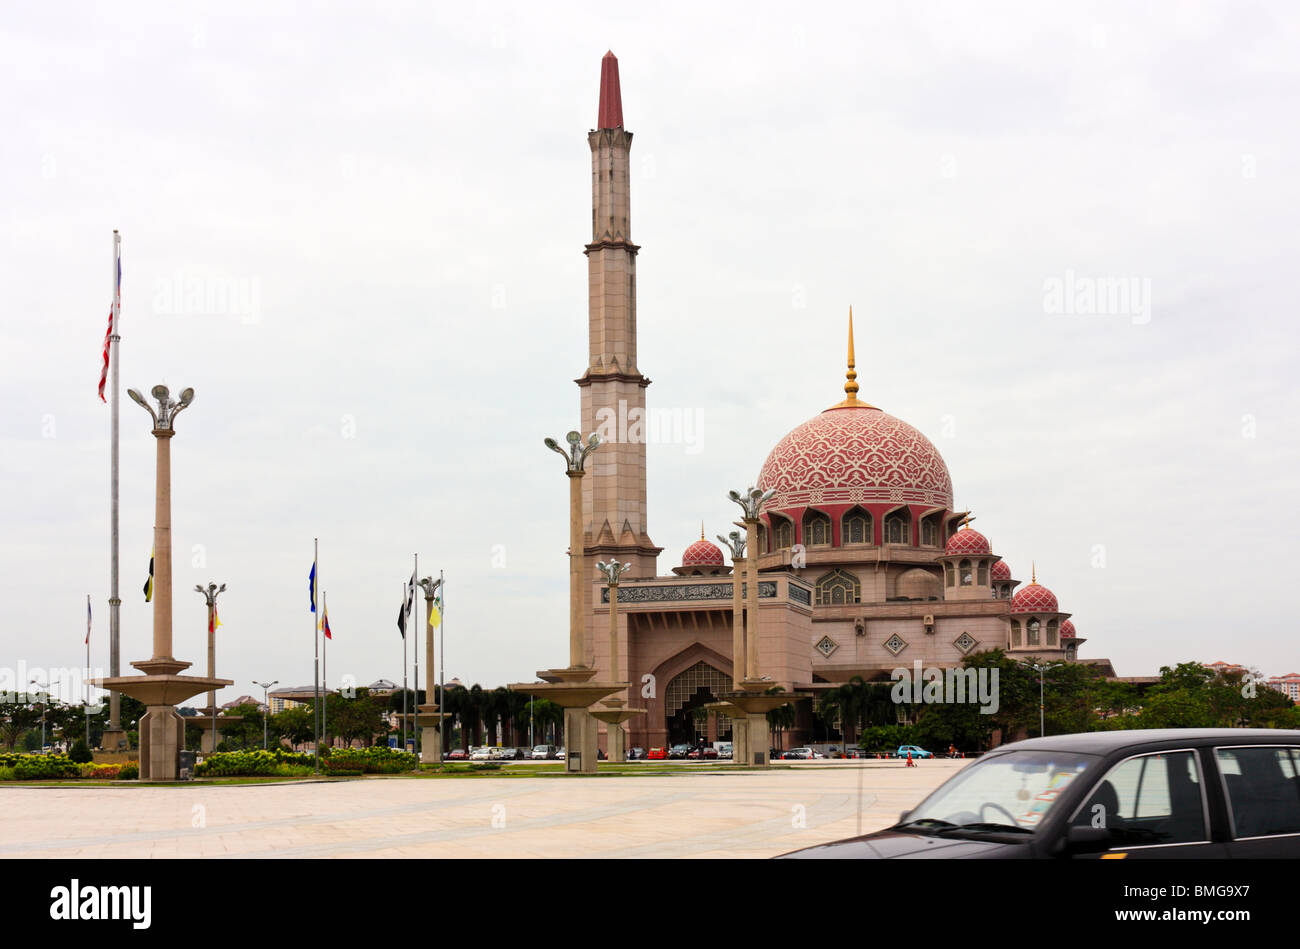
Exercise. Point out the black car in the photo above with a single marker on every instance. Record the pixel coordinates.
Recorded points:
(1163, 793)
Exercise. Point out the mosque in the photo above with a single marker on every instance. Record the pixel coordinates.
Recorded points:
(865, 565)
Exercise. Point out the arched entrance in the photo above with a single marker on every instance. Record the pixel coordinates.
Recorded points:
(688, 692)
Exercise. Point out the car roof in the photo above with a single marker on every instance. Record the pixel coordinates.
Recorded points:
(1108, 741)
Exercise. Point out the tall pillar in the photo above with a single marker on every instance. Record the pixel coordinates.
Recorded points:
(577, 625)
(613, 388)
(162, 546)
(751, 623)
(739, 662)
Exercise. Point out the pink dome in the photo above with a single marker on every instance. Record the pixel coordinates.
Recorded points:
(967, 541)
(702, 553)
(1068, 630)
(1001, 571)
(1034, 598)
(855, 455)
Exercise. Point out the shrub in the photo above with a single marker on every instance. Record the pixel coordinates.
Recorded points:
(101, 772)
(80, 752)
(40, 767)
(229, 764)
(129, 772)
(376, 759)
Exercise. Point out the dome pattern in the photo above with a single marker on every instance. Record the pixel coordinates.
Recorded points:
(1001, 571)
(855, 455)
(702, 553)
(1068, 631)
(967, 541)
(1034, 598)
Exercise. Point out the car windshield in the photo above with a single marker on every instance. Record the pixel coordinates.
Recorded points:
(1015, 791)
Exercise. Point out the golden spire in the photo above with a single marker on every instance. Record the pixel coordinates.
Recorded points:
(1033, 574)
(701, 530)
(851, 385)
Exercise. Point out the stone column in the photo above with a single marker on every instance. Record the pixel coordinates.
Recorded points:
(430, 731)
(577, 647)
(162, 547)
(751, 623)
(738, 660)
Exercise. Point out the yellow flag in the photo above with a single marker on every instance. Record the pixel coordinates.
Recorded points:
(435, 615)
(216, 618)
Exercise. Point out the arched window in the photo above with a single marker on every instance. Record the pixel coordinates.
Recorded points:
(762, 537)
(816, 529)
(1051, 632)
(784, 532)
(984, 573)
(963, 572)
(1033, 627)
(856, 527)
(1015, 634)
(930, 531)
(837, 587)
(898, 528)
(948, 573)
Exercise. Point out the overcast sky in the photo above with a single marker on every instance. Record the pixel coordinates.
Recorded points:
(401, 197)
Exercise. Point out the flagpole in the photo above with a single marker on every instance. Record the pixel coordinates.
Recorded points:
(442, 652)
(114, 601)
(315, 564)
(407, 621)
(324, 663)
(415, 652)
(86, 680)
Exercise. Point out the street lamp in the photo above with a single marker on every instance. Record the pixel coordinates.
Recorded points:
(575, 459)
(751, 502)
(735, 544)
(1040, 668)
(210, 595)
(45, 705)
(266, 713)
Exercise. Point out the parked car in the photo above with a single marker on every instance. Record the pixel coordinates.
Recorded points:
(543, 752)
(705, 752)
(481, 754)
(1173, 792)
(725, 752)
(457, 754)
(510, 754)
(805, 753)
(656, 754)
(916, 751)
(679, 751)
(559, 753)
(636, 754)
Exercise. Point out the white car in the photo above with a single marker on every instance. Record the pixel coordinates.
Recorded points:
(560, 754)
(481, 754)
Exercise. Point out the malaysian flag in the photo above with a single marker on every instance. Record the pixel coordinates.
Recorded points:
(113, 309)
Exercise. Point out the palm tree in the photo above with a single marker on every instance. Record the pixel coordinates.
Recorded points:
(848, 702)
(548, 716)
(780, 718)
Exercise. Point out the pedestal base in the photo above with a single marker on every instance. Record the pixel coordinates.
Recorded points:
(750, 736)
(162, 736)
(579, 727)
(430, 722)
(114, 740)
(613, 714)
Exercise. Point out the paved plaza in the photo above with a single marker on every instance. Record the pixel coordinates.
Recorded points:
(687, 814)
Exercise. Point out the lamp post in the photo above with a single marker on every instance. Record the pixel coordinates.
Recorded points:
(570, 687)
(1040, 668)
(751, 502)
(428, 716)
(614, 711)
(45, 705)
(160, 687)
(735, 545)
(210, 594)
(575, 458)
(266, 700)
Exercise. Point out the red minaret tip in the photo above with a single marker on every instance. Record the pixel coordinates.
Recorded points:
(611, 97)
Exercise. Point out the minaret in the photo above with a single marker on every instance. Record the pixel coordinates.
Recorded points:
(613, 388)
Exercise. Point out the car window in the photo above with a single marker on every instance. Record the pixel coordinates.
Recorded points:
(1150, 799)
(1263, 789)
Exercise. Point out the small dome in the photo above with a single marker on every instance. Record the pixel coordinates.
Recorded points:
(967, 541)
(1068, 630)
(702, 553)
(918, 584)
(1034, 598)
(1001, 571)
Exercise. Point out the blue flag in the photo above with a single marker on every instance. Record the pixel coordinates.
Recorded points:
(311, 586)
